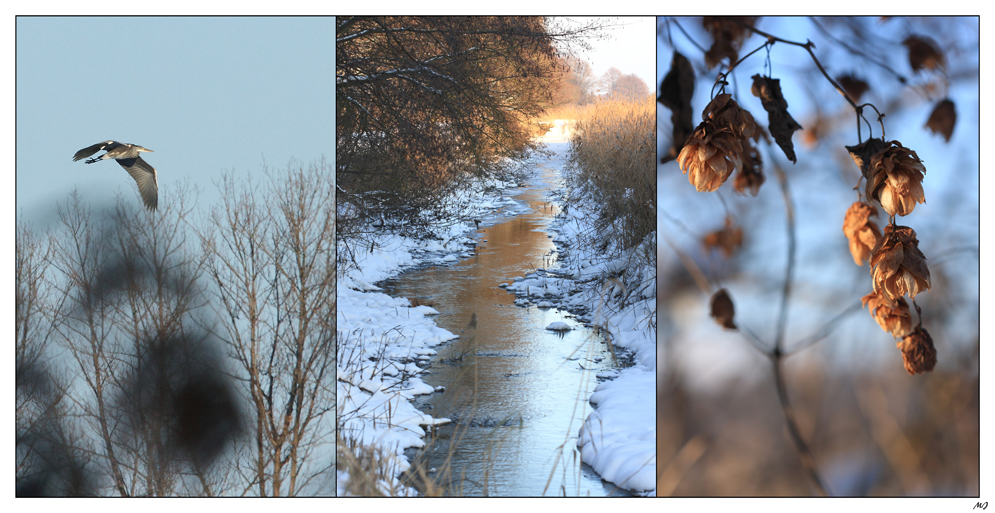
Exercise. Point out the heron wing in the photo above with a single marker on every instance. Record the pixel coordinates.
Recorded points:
(90, 150)
(145, 177)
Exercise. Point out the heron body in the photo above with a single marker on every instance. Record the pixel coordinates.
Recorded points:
(127, 155)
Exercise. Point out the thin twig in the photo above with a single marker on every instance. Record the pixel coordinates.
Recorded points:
(857, 52)
(689, 264)
(808, 46)
(754, 340)
(695, 43)
(824, 331)
(777, 355)
(782, 318)
(804, 453)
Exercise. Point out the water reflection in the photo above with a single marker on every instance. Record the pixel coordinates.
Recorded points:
(516, 391)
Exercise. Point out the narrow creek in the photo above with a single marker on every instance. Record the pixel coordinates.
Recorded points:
(517, 392)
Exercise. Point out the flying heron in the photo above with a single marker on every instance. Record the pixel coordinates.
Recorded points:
(128, 156)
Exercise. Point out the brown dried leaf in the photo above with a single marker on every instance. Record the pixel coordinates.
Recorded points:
(728, 34)
(943, 119)
(854, 87)
(723, 310)
(863, 152)
(781, 124)
(924, 53)
(676, 91)
(727, 239)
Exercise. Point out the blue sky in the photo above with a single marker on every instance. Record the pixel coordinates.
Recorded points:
(206, 94)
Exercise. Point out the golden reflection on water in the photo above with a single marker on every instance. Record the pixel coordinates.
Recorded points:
(517, 391)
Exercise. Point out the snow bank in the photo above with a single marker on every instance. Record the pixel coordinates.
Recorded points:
(618, 440)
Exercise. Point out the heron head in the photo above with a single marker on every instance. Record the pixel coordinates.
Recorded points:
(141, 149)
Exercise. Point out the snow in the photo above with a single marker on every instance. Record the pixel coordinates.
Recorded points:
(382, 339)
(618, 440)
(558, 326)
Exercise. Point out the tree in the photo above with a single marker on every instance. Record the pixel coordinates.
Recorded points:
(154, 402)
(577, 84)
(50, 460)
(631, 88)
(422, 101)
(271, 261)
(609, 82)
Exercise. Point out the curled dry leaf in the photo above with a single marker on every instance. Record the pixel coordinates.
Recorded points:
(924, 53)
(863, 152)
(943, 119)
(676, 91)
(918, 352)
(728, 34)
(723, 310)
(854, 87)
(781, 124)
(727, 239)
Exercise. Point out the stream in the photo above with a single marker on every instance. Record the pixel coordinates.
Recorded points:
(516, 392)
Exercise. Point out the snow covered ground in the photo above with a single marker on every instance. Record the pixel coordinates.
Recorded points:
(381, 339)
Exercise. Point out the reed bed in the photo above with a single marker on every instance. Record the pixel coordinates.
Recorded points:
(613, 161)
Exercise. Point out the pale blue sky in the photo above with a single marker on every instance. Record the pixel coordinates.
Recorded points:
(206, 94)
(630, 47)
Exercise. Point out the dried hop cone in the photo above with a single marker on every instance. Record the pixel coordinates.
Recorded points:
(710, 156)
(751, 175)
(918, 352)
(898, 268)
(894, 318)
(715, 149)
(862, 233)
(894, 178)
(725, 112)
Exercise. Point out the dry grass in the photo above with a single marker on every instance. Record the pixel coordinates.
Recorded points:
(613, 157)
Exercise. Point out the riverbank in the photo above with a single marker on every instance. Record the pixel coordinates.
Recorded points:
(382, 341)
(617, 295)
